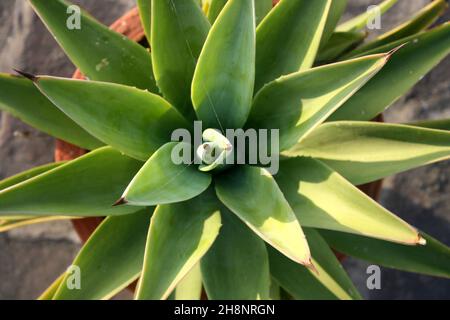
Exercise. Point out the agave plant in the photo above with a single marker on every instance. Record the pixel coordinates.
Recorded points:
(236, 231)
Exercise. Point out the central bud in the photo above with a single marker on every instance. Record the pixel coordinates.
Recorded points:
(215, 150)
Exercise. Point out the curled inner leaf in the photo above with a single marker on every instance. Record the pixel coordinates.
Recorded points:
(215, 151)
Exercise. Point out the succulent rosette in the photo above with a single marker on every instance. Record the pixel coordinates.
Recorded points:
(238, 231)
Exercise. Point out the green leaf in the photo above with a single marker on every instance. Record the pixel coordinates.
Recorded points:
(329, 282)
(179, 30)
(190, 288)
(180, 234)
(262, 8)
(237, 265)
(422, 20)
(432, 259)
(162, 181)
(131, 120)
(145, 13)
(334, 15)
(275, 290)
(50, 291)
(297, 103)
(338, 44)
(9, 224)
(28, 174)
(364, 152)
(214, 7)
(288, 38)
(223, 102)
(359, 22)
(440, 124)
(323, 199)
(422, 53)
(254, 196)
(20, 97)
(87, 186)
(111, 259)
(100, 53)
(216, 153)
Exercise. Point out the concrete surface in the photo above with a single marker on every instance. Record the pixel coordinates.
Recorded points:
(32, 257)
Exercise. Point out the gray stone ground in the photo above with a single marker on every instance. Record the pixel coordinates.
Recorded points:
(30, 258)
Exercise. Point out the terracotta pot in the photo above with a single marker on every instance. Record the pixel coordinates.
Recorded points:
(130, 26)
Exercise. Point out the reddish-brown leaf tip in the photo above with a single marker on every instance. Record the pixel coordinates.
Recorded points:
(393, 51)
(120, 202)
(421, 240)
(27, 75)
(310, 265)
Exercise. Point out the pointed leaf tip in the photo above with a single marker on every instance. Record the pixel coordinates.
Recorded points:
(406, 68)
(323, 199)
(332, 282)
(133, 121)
(432, 259)
(21, 98)
(244, 192)
(162, 181)
(120, 202)
(310, 265)
(305, 99)
(100, 53)
(421, 240)
(393, 51)
(27, 75)
(90, 191)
